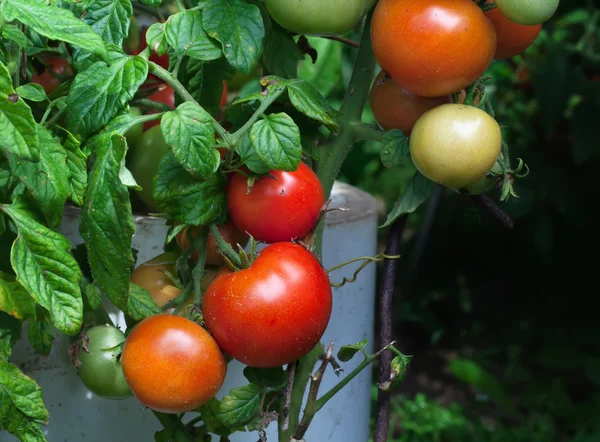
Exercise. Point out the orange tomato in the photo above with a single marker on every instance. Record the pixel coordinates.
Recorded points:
(171, 364)
(432, 48)
(512, 38)
(395, 108)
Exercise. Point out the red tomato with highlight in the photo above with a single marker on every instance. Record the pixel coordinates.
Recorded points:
(171, 364)
(511, 38)
(395, 108)
(432, 48)
(164, 94)
(280, 207)
(273, 312)
(57, 70)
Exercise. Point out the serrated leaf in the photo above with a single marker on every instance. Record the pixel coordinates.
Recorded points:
(311, 103)
(76, 162)
(44, 266)
(156, 38)
(32, 92)
(48, 179)
(54, 23)
(249, 157)
(276, 140)
(15, 300)
(239, 27)
(266, 378)
(416, 193)
(41, 335)
(347, 352)
(240, 405)
(18, 131)
(109, 19)
(10, 333)
(189, 131)
(185, 198)
(186, 35)
(395, 148)
(98, 93)
(22, 393)
(93, 296)
(209, 412)
(107, 222)
(140, 304)
(14, 34)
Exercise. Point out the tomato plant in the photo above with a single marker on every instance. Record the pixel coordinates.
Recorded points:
(98, 365)
(455, 145)
(395, 108)
(528, 13)
(446, 44)
(177, 350)
(511, 38)
(228, 231)
(251, 312)
(55, 72)
(156, 273)
(279, 207)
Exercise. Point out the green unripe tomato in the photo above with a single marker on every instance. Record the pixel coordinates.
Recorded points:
(486, 183)
(317, 17)
(528, 12)
(144, 160)
(134, 134)
(100, 369)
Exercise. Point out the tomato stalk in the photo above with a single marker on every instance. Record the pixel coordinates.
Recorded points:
(367, 260)
(225, 248)
(368, 132)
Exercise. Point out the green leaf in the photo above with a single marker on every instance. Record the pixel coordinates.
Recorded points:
(41, 335)
(110, 19)
(21, 405)
(347, 352)
(54, 23)
(98, 93)
(15, 300)
(93, 296)
(10, 333)
(326, 74)
(240, 405)
(156, 38)
(48, 179)
(189, 131)
(14, 34)
(186, 35)
(155, 3)
(266, 378)
(185, 198)
(239, 27)
(474, 374)
(416, 193)
(76, 162)
(281, 54)
(311, 103)
(249, 157)
(32, 92)
(18, 131)
(395, 148)
(42, 261)
(140, 304)
(276, 140)
(107, 222)
(209, 412)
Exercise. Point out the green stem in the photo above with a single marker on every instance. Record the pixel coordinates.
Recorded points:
(166, 76)
(47, 113)
(364, 131)
(56, 116)
(141, 120)
(180, 5)
(225, 247)
(173, 426)
(151, 104)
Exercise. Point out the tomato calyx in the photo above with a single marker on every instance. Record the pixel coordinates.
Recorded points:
(82, 344)
(486, 5)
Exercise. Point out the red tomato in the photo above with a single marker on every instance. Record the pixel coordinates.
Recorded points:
(432, 48)
(395, 108)
(171, 364)
(213, 257)
(278, 208)
(224, 95)
(512, 38)
(165, 94)
(273, 312)
(57, 70)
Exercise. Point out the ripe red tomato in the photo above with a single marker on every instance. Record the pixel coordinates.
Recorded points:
(511, 38)
(395, 108)
(432, 48)
(56, 72)
(164, 94)
(278, 208)
(171, 364)
(273, 312)
(213, 257)
(224, 95)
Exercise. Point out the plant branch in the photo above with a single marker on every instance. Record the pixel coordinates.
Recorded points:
(363, 131)
(492, 208)
(344, 40)
(288, 395)
(390, 268)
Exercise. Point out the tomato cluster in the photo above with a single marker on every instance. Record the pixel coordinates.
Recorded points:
(433, 50)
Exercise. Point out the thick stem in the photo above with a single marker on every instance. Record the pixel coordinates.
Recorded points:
(365, 131)
(225, 247)
(390, 268)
